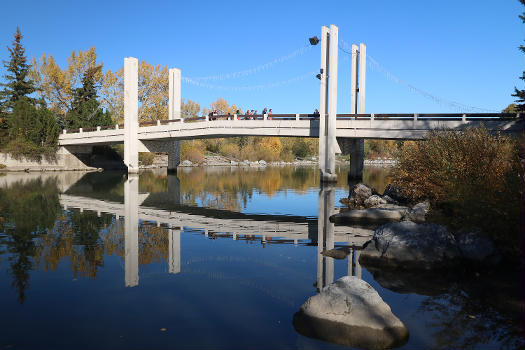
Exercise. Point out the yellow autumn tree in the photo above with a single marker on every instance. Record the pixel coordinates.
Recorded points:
(222, 107)
(190, 109)
(152, 92)
(57, 85)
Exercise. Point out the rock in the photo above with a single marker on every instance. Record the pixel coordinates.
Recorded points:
(389, 200)
(395, 193)
(374, 200)
(350, 312)
(408, 244)
(186, 163)
(262, 162)
(245, 162)
(418, 212)
(232, 162)
(359, 194)
(371, 215)
(475, 247)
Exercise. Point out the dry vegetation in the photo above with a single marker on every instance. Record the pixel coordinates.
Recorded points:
(473, 178)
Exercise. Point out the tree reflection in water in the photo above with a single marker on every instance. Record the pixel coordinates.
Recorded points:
(27, 211)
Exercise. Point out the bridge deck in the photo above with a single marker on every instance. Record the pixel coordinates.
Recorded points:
(378, 126)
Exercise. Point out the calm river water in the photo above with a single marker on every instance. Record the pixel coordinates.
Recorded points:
(214, 257)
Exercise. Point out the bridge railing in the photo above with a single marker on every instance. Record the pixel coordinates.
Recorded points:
(279, 117)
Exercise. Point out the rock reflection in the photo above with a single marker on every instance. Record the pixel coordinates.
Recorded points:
(468, 307)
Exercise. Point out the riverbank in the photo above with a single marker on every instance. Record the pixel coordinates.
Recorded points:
(64, 161)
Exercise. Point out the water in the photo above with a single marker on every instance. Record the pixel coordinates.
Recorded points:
(213, 257)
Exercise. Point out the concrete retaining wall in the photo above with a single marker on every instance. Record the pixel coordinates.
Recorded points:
(63, 160)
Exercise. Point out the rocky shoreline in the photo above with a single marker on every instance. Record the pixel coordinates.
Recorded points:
(161, 161)
(405, 240)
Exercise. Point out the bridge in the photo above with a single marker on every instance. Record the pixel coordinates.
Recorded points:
(337, 133)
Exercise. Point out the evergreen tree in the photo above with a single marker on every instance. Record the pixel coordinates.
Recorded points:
(520, 94)
(19, 85)
(85, 108)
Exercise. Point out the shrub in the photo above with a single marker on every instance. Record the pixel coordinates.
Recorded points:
(146, 158)
(230, 150)
(20, 148)
(287, 156)
(452, 167)
(3, 166)
(249, 152)
(192, 150)
(473, 178)
(300, 148)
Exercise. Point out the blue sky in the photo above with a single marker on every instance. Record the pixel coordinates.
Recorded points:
(463, 51)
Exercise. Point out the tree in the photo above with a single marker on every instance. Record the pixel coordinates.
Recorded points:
(58, 86)
(19, 85)
(85, 108)
(222, 107)
(152, 92)
(190, 109)
(520, 94)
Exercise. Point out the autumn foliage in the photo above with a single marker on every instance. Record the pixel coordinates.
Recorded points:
(473, 177)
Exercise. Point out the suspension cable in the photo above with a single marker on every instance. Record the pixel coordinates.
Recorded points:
(248, 87)
(256, 69)
(373, 64)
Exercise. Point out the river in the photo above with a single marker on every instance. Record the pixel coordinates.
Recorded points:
(212, 257)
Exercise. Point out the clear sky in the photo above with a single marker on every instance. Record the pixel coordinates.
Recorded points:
(463, 51)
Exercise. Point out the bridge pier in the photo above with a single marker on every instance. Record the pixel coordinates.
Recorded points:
(131, 110)
(357, 158)
(174, 112)
(173, 156)
(356, 146)
(328, 103)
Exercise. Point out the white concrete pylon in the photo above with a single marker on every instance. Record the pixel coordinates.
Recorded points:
(131, 109)
(174, 93)
(353, 84)
(332, 105)
(323, 105)
(362, 77)
(174, 112)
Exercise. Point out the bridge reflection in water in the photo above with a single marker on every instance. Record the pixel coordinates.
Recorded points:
(223, 223)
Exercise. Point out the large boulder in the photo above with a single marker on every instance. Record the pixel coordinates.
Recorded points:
(350, 312)
(379, 215)
(359, 193)
(407, 244)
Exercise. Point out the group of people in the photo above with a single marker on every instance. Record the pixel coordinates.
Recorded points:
(251, 114)
(248, 115)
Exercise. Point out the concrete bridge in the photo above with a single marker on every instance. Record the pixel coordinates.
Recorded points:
(337, 133)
